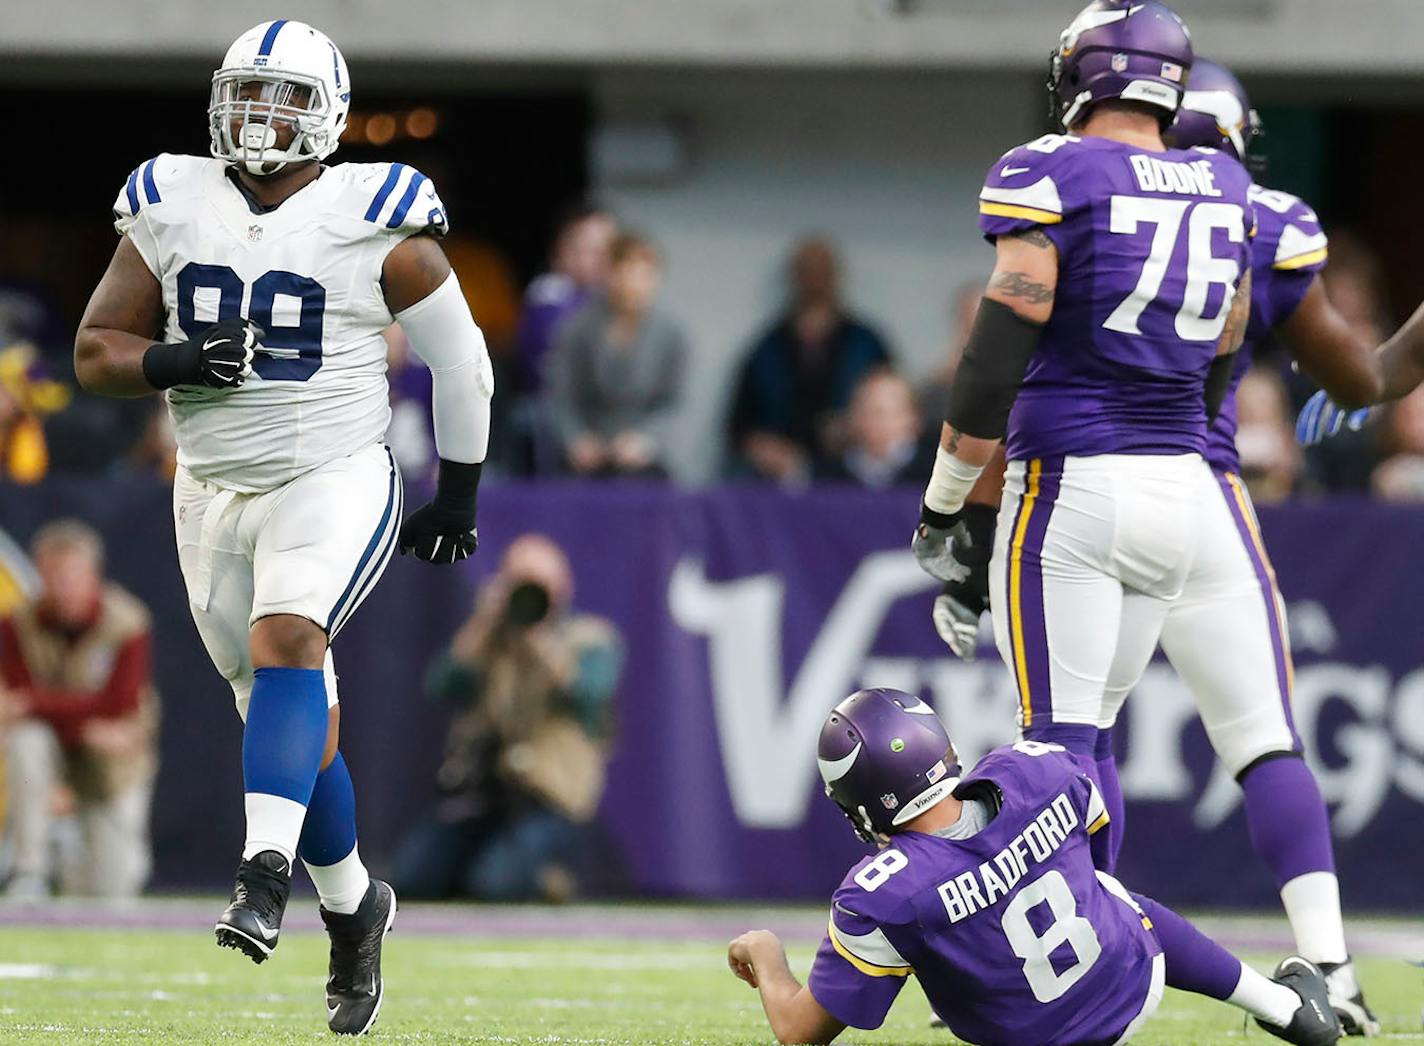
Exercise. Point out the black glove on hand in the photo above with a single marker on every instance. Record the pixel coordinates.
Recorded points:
(444, 530)
(219, 358)
(960, 603)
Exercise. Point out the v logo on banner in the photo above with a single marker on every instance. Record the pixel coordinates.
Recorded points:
(769, 744)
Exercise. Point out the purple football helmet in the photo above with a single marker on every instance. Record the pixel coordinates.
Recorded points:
(1215, 112)
(1139, 52)
(885, 759)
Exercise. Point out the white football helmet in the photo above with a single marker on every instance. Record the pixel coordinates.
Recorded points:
(280, 73)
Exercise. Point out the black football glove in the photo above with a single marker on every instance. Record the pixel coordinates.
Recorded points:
(443, 531)
(961, 603)
(219, 358)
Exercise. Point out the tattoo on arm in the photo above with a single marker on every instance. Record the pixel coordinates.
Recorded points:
(1019, 285)
(954, 437)
(1235, 331)
(1035, 238)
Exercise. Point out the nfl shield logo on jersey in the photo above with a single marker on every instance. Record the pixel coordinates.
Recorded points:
(254, 234)
(1119, 63)
(889, 801)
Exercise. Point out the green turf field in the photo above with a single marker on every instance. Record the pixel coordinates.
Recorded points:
(65, 985)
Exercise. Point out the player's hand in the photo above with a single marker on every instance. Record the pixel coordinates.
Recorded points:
(439, 535)
(960, 604)
(937, 538)
(219, 358)
(1320, 419)
(752, 947)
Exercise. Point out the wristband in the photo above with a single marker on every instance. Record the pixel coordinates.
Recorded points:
(169, 364)
(950, 483)
(457, 486)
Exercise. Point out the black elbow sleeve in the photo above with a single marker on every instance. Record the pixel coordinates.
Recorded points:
(998, 353)
(1218, 381)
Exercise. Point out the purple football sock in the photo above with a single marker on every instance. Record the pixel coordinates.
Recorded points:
(1286, 817)
(1195, 963)
(1107, 843)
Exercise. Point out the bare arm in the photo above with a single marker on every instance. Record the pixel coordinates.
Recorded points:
(1351, 371)
(415, 269)
(124, 317)
(1024, 278)
(1234, 333)
(793, 1012)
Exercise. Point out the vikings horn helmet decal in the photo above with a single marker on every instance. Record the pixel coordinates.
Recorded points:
(885, 759)
(1138, 52)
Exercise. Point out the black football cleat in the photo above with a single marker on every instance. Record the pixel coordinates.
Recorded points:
(259, 897)
(1314, 1022)
(354, 988)
(1356, 1018)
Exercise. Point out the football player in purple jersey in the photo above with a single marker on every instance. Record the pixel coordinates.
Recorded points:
(1120, 291)
(983, 888)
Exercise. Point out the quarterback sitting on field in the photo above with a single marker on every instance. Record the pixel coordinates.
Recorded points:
(984, 889)
(250, 288)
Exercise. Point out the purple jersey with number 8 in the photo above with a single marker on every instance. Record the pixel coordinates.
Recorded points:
(1012, 934)
(1151, 246)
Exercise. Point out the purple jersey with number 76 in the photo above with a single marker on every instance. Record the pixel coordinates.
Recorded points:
(1012, 934)
(1151, 246)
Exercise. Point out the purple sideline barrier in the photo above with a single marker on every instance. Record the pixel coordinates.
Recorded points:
(747, 614)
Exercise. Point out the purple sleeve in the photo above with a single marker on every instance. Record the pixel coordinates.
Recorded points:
(858, 972)
(848, 994)
(1024, 190)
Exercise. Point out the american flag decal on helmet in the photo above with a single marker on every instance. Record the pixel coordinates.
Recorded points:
(1172, 71)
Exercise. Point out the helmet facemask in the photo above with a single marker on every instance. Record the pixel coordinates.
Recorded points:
(251, 108)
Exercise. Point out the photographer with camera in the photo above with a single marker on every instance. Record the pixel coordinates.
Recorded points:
(531, 683)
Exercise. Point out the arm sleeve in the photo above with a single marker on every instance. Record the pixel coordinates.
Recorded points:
(444, 335)
(857, 973)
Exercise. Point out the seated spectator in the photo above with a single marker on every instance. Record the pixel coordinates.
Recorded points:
(531, 683)
(578, 271)
(888, 445)
(964, 310)
(78, 710)
(798, 377)
(615, 376)
(26, 397)
(1265, 436)
(1400, 477)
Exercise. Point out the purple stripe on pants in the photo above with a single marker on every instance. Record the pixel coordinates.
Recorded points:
(1035, 630)
(1266, 577)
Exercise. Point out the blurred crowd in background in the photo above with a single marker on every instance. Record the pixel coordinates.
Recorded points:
(591, 374)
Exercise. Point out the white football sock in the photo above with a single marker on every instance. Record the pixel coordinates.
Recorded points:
(341, 885)
(1312, 903)
(1262, 997)
(273, 823)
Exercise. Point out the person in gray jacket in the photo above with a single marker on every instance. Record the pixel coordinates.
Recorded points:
(616, 373)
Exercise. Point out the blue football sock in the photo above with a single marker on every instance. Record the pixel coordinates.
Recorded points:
(329, 832)
(282, 746)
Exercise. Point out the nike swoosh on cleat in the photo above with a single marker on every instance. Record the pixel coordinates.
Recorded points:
(332, 1011)
(267, 932)
(1009, 172)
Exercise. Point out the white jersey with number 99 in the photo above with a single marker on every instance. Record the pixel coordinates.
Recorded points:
(308, 272)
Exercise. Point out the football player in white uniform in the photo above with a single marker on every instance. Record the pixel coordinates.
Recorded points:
(251, 288)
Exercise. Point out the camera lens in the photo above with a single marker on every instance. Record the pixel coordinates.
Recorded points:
(528, 604)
